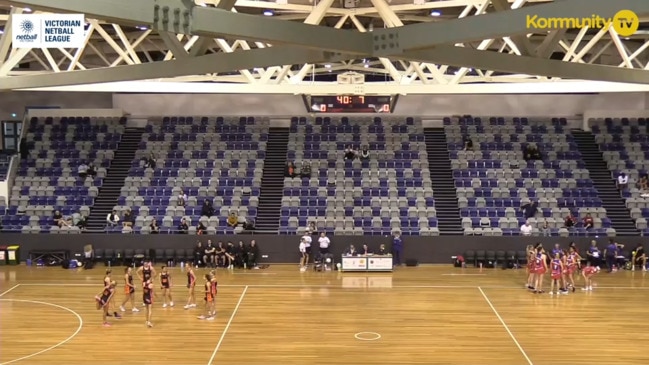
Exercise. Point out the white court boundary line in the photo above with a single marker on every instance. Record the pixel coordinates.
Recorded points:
(51, 347)
(505, 326)
(519, 288)
(9, 290)
(227, 326)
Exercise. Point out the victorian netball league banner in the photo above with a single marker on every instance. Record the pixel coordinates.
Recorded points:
(48, 30)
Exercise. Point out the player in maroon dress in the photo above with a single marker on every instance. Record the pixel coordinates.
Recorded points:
(556, 266)
(588, 274)
(540, 268)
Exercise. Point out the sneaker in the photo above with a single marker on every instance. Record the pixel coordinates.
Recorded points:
(187, 306)
(210, 318)
(201, 317)
(149, 324)
(135, 310)
(122, 308)
(117, 315)
(106, 324)
(193, 305)
(584, 289)
(171, 304)
(551, 293)
(164, 305)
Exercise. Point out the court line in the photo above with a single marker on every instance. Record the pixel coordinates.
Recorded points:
(227, 326)
(342, 287)
(486, 298)
(51, 347)
(464, 274)
(8, 290)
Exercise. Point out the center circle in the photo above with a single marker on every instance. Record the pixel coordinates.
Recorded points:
(367, 336)
(36, 353)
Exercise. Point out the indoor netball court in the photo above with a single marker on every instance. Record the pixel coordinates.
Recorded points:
(423, 315)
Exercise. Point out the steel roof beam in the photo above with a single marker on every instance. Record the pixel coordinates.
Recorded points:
(213, 63)
(505, 23)
(486, 60)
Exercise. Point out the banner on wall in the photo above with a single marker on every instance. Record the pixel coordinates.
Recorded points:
(48, 30)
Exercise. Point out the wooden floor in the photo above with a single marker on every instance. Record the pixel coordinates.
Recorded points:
(278, 316)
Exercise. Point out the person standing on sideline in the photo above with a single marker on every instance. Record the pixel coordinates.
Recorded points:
(324, 243)
(397, 249)
(307, 242)
(610, 253)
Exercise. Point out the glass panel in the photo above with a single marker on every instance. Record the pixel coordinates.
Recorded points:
(9, 129)
(10, 143)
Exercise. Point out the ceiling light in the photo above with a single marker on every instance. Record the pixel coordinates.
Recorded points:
(268, 13)
(327, 66)
(366, 65)
(27, 10)
(2, 31)
(203, 5)
(435, 13)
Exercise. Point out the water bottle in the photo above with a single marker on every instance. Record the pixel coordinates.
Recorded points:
(182, 265)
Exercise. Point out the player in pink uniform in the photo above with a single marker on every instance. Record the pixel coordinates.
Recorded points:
(540, 268)
(530, 266)
(573, 260)
(588, 274)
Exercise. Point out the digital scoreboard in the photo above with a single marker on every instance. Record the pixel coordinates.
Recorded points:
(349, 103)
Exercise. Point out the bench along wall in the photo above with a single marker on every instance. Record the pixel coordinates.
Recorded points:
(284, 249)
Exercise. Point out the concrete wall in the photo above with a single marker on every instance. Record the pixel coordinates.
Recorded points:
(15, 102)
(283, 249)
(428, 105)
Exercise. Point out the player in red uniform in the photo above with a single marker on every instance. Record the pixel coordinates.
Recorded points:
(165, 285)
(209, 299)
(556, 266)
(214, 286)
(588, 274)
(530, 267)
(103, 300)
(191, 285)
(129, 290)
(573, 261)
(540, 268)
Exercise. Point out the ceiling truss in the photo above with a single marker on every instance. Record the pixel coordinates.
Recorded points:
(229, 46)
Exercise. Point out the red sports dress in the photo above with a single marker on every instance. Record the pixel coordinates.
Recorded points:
(555, 265)
(538, 264)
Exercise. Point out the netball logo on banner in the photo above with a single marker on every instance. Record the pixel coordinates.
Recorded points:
(48, 30)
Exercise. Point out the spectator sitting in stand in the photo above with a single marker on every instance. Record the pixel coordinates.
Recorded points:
(183, 227)
(91, 170)
(643, 183)
(306, 170)
(622, 181)
(312, 228)
(60, 220)
(468, 142)
(365, 153)
(570, 221)
(233, 221)
(182, 199)
(155, 229)
(149, 162)
(112, 218)
(546, 229)
(526, 229)
(83, 170)
(80, 221)
(128, 219)
(289, 171)
(201, 229)
(249, 225)
(207, 210)
(588, 221)
(531, 153)
(350, 153)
